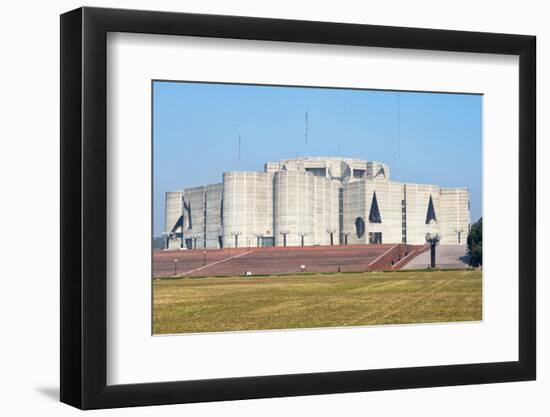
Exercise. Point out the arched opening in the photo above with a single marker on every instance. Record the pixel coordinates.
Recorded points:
(359, 227)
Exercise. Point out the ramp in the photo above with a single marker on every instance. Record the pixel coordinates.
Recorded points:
(446, 257)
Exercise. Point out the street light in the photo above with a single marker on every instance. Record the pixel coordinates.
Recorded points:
(167, 236)
(432, 240)
(194, 241)
(175, 267)
(203, 258)
(331, 233)
(236, 234)
(302, 235)
(459, 233)
(284, 233)
(346, 234)
(258, 238)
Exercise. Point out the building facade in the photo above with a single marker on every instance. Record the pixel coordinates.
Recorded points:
(314, 201)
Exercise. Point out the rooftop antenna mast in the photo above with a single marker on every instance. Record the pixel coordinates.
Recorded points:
(306, 129)
(239, 146)
(398, 133)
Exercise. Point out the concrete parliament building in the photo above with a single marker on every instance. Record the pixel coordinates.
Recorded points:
(314, 201)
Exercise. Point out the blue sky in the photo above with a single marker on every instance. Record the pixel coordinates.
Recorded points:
(433, 138)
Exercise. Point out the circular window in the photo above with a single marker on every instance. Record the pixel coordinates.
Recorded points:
(359, 227)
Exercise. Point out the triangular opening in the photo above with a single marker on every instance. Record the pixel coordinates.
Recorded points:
(178, 224)
(430, 215)
(381, 172)
(374, 215)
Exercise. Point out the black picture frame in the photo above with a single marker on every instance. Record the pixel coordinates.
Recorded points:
(84, 207)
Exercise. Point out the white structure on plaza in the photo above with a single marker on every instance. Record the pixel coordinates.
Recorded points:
(314, 201)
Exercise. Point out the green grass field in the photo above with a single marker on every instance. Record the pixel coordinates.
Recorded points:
(317, 300)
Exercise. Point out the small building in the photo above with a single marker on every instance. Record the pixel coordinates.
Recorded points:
(314, 201)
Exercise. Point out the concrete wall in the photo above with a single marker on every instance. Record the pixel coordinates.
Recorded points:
(173, 213)
(418, 197)
(293, 207)
(451, 208)
(204, 225)
(194, 226)
(358, 196)
(301, 197)
(213, 195)
(344, 169)
(247, 207)
(325, 210)
(355, 201)
(455, 213)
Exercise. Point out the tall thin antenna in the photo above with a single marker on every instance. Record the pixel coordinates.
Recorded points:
(306, 127)
(239, 147)
(398, 131)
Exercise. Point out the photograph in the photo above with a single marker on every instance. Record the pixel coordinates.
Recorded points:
(275, 208)
(298, 207)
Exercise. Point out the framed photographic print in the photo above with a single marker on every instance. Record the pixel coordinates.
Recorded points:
(258, 208)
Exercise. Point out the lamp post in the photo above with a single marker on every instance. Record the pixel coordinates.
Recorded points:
(346, 234)
(459, 234)
(236, 235)
(175, 267)
(331, 233)
(182, 211)
(258, 238)
(193, 241)
(302, 236)
(167, 236)
(203, 258)
(432, 240)
(284, 233)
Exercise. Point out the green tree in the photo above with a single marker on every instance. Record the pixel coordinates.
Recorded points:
(475, 243)
(158, 243)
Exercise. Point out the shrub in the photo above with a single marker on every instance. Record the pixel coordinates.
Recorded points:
(475, 243)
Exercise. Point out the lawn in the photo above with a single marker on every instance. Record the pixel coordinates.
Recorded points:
(317, 300)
